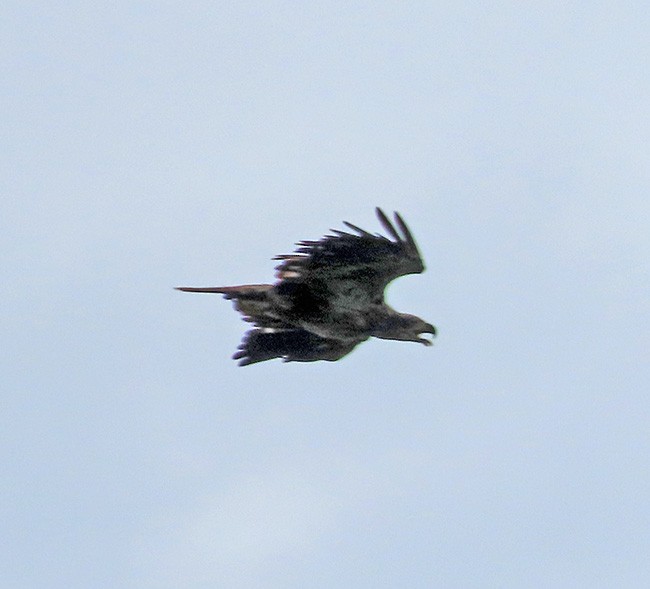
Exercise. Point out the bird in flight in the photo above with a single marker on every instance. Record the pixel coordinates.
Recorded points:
(329, 297)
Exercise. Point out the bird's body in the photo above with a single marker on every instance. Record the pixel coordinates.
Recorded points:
(329, 297)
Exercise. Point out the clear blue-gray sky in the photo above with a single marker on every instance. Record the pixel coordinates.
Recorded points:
(147, 145)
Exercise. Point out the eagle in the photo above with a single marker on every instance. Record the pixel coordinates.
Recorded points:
(329, 297)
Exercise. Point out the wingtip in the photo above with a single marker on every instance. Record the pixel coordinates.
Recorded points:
(408, 236)
(388, 226)
(383, 217)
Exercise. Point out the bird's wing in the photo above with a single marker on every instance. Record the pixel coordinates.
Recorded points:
(351, 269)
(292, 345)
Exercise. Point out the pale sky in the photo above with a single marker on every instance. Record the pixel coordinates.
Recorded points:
(149, 145)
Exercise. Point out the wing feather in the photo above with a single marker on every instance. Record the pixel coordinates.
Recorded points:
(388, 225)
(292, 345)
(351, 269)
(357, 229)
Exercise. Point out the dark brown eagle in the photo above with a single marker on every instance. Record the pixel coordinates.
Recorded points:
(329, 297)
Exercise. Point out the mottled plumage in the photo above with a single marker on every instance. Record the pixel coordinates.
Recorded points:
(329, 297)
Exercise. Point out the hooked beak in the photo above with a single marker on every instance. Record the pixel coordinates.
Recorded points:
(428, 328)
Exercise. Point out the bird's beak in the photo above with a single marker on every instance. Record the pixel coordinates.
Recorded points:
(428, 328)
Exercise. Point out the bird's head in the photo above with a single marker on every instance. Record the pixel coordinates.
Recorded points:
(405, 327)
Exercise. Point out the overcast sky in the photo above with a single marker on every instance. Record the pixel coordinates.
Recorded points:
(147, 145)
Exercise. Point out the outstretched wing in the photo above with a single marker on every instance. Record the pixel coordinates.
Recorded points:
(292, 345)
(350, 269)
